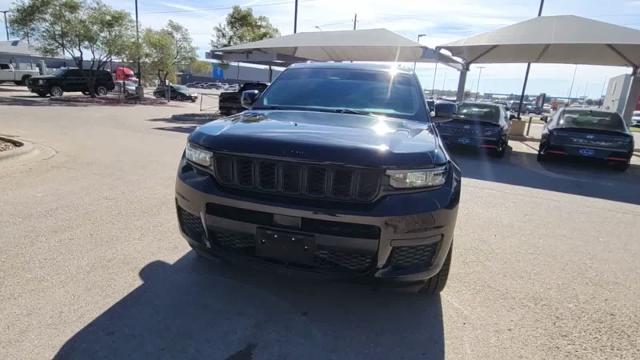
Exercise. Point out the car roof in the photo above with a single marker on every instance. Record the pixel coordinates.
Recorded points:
(479, 103)
(586, 109)
(354, 66)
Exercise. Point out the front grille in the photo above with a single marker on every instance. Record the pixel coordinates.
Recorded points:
(328, 259)
(408, 256)
(190, 224)
(297, 179)
(234, 240)
(339, 260)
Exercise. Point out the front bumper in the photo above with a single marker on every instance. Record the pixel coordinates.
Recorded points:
(401, 237)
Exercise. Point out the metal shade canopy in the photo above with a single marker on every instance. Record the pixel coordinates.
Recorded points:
(348, 45)
(565, 39)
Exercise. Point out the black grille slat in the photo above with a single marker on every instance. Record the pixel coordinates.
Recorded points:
(244, 172)
(341, 184)
(408, 256)
(330, 182)
(234, 240)
(224, 169)
(268, 175)
(291, 178)
(368, 184)
(316, 180)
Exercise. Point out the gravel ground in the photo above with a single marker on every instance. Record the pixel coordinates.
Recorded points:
(545, 262)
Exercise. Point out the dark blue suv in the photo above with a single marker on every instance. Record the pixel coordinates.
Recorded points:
(335, 169)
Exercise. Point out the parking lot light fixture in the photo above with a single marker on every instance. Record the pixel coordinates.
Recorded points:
(414, 63)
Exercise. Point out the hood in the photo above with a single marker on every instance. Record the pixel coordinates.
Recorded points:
(364, 140)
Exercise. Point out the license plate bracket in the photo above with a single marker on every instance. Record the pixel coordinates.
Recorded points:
(290, 247)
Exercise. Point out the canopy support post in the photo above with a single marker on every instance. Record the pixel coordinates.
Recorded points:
(632, 96)
(462, 81)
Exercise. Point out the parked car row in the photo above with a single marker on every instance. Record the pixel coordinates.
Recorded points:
(213, 85)
(571, 132)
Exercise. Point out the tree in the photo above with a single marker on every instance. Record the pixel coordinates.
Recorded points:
(163, 52)
(242, 26)
(83, 30)
(200, 67)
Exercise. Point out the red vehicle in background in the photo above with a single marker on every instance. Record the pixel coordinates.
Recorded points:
(124, 74)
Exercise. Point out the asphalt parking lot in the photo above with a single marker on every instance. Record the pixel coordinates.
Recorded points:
(545, 261)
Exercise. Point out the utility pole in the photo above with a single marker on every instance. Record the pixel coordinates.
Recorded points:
(526, 75)
(433, 86)
(355, 21)
(139, 89)
(414, 63)
(478, 84)
(295, 18)
(6, 24)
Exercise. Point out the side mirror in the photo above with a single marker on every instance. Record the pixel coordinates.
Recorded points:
(544, 118)
(512, 117)
(249, 97)
(445, 110)
(432, 114)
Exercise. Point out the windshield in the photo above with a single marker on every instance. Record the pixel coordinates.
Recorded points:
(326, 89)
(591, 119)
(182, 88)
(59, 72)
(481, 112)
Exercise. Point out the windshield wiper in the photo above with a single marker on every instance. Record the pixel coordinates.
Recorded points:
(351, 111)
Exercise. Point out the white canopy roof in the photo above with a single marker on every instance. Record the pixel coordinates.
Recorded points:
(348, 45)
(563, 39)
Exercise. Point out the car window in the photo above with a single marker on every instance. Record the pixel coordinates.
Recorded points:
(4, 67)
(372, 91)
(259, 87)
(591, 119)
(484, 112)
(73, 73)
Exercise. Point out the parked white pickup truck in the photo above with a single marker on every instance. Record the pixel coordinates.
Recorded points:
(19, 77)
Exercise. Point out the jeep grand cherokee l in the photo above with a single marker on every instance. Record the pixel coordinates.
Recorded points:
(336, 169)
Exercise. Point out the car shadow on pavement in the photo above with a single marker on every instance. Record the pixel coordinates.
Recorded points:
(583, 178)
(201, 309)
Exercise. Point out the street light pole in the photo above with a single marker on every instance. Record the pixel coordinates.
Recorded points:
(138, 47)
(6, 24)
(295, 18)
(526, 75)
(433, 86)
(478, 84)
(573, 79)
(414, 63)
(355, 20)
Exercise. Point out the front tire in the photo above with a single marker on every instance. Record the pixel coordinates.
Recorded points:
(101, 91)
(56, 91)
(435, 284)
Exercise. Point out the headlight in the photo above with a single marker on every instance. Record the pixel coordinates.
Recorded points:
(198, 155)
(409, 179)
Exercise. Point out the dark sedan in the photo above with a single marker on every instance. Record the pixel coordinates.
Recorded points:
(590, 134)
(478, 124)
(177, 92)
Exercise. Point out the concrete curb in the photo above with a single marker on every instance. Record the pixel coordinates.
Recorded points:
(22, 148)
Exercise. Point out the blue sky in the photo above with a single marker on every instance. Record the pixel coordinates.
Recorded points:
(442, 21)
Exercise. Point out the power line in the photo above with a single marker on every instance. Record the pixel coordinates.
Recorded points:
(275, 3)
